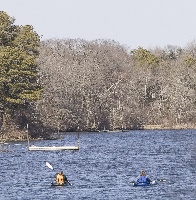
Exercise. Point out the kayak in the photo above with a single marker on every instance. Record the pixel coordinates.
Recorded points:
(57, 184)
(144, 184)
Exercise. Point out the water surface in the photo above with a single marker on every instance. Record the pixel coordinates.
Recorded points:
(103, 167)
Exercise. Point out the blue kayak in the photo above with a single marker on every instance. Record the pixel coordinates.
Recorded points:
(144, 184)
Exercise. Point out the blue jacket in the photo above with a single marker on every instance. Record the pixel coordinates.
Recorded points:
(142, 179)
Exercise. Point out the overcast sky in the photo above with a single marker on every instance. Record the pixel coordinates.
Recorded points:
(145, 23)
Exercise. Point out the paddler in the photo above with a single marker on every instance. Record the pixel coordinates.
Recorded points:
(143, 178)
(61, 179)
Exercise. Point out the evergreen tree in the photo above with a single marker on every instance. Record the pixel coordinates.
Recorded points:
(18, 69)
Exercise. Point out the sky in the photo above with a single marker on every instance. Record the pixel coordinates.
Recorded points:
(134, 23)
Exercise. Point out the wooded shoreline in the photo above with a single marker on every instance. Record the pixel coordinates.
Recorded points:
(24, 137)
(70, 84)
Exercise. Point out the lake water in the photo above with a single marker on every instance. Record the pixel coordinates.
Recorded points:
(103, 167)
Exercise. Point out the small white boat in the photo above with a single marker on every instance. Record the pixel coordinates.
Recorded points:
(52, 148)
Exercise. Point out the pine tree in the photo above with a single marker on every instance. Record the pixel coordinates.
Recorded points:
(19, 47)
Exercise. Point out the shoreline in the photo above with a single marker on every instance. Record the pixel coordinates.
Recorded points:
(149, 127)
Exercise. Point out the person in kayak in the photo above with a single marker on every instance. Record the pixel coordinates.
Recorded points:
(143, 178)
(61, 179)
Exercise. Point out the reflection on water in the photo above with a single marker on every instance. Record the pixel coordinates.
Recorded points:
(103, 167)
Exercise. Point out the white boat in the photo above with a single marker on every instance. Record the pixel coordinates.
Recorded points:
(52, 148)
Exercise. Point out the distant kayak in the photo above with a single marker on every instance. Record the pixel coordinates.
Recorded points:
(57, 184)
(144, 184)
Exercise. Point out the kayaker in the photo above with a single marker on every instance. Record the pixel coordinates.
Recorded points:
(61, 178)
(143, 178)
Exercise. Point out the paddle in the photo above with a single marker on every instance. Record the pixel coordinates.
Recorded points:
(162, 180)
(51, 167)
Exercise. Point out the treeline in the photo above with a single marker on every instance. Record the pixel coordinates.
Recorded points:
(63, 84)
(102, 84)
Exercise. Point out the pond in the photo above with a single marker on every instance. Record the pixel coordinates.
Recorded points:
(103, 167)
